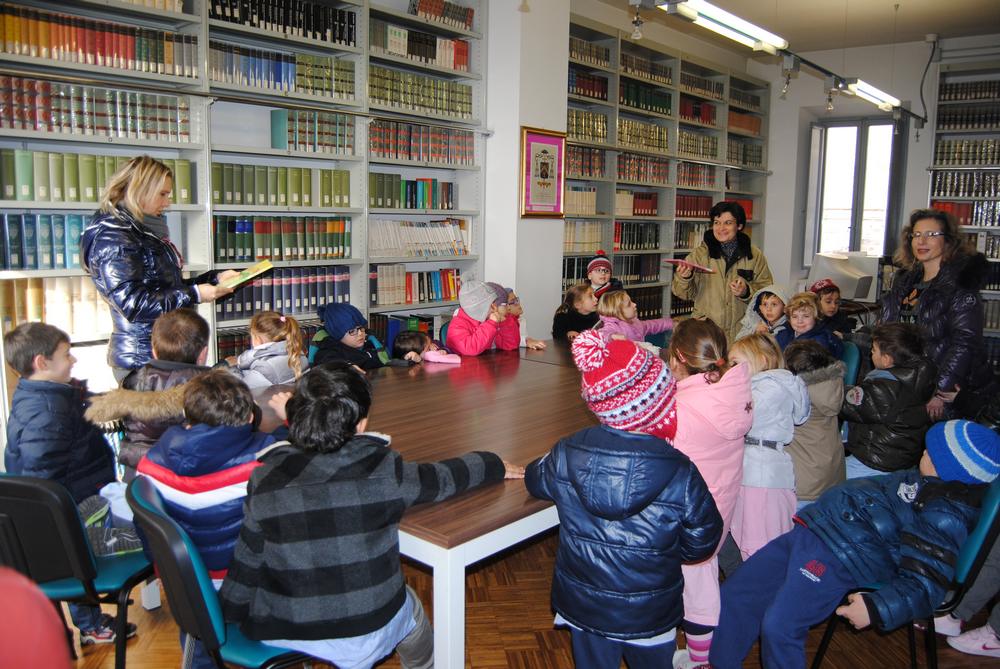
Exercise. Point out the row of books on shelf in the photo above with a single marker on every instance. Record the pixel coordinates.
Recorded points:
(420, 47)
(447, 237)
(986, 243)
(639, 134)
(636, 203)
(984, 213)
(586, 125)
(254, 238)
(235, 340)
(574, 271)
(52, 106)
(290, 290)
(582, 236)
(965, 184)
(745, 98)
(249, 67)
(967, 152)
(412, 92)
(643, 268)
(295, 18)
(743, 153)
(385, 327)
(693, 206)
(580, 200)
(970, 90)
(278, 185)
(985, 117)
(166, 5)
(399, 140)
(587, 85)
(648, 302)
(585, 161)
(312, 131)
(689, 234)
(440, 11)
(679, 307)
(585, 52)
(391, 284)
(698, 111)
(392, 191)
(64, 38)
(70, 303)
(50, 176)
(697, 144)
(637, 95)
(637, 167)
(702, 85)
(644, 67)
(745, 122)
(991, 310)
(636, 236)
(41, 241)
(693, 175)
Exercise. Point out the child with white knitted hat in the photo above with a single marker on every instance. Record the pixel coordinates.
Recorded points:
(481, 321)
(631, 510)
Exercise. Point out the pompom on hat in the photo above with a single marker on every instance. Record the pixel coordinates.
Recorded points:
(598, 261)
(627, 387)
(823, 284)
(964, 451)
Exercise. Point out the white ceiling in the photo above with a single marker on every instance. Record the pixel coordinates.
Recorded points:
(814, 25)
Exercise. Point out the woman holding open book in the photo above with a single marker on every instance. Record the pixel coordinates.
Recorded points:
(127, 251)
(720, 275)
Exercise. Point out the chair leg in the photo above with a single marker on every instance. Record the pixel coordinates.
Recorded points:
(911, 637)
(831, 627)
(930, 644)
(121, 628)
(69, 631)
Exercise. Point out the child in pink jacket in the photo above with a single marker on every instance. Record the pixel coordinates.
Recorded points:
(481, 321)
(715, 411)
(619, 316)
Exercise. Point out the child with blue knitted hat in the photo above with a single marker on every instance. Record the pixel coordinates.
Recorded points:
(347, 339)
(903, 530)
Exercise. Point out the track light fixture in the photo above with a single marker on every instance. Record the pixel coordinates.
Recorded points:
(637, 24)
(718, 20)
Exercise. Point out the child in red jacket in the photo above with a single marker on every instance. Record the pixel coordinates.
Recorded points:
(482, 322)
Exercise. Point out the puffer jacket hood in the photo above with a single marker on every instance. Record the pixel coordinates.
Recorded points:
(887, 415)
(206, 449)
(267, 365)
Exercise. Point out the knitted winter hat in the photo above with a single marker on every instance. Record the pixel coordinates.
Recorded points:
(598, 261)
(627, 387)
(475, 298)
(964, 451)
(338, 319)
(823, 284)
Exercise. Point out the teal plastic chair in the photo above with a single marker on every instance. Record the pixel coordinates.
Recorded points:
(851, 357)
(42, 536)
(660, 339)
(194, 603)
(970, 561)
(443, 337)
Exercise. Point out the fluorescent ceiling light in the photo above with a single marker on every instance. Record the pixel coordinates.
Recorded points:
(722, 22)
(877, 97)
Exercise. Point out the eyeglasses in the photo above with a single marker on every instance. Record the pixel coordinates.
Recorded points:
(929, 235)
(513, 301)
(601, 270)
(354, 332)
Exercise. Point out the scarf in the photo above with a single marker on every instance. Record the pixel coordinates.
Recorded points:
(729, 250)
(157, 225)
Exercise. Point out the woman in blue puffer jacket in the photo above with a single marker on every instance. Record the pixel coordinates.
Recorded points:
(127, 251)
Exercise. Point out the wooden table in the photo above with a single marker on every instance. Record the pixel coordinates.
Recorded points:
(516, 404)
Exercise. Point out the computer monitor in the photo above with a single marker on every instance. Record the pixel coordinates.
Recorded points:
(854, 283)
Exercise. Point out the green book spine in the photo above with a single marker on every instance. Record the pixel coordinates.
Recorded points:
(300, 238)
(307, 187)
(237, 184)
(40, 175)
(221, 239)
(24, 174)
(88, 177)
(182, 181)
(345, 187)
(7, 174)
(272, 185)
(347, 238)
(227, 184)
(282, 186)
(217, 184)
(310, 238)
(260, 184)
(279, 129)
(398, 188)
(295, 186)
(249, 191)
(71, 176)
(100, 168)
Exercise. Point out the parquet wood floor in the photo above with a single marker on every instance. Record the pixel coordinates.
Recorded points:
(510, 625)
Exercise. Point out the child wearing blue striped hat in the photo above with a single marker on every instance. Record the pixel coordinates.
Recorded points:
(902, 529)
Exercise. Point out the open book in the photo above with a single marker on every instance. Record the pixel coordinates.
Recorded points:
(247, 274)
(693, 265)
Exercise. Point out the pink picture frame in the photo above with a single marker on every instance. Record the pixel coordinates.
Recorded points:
(543, 173)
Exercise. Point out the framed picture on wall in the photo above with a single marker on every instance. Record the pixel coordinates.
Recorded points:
(543, 172)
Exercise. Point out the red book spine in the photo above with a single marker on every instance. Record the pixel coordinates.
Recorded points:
(100, 48)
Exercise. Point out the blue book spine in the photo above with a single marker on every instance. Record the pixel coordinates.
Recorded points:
(12, 241)
(74, 228)
(46, 249)
(59, 241)
(29, 240)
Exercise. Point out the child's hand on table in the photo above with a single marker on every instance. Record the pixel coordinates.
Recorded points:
(512, 471)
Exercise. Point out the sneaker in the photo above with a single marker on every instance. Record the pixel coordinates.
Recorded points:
(104, 632)
(980, 641)
(682, 660)
(113, 540)
(944, 625)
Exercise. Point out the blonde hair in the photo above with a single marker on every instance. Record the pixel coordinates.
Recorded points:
(613, 304)
(138, 180)
(804, 300)
(272, 326)
(761, 351)
(700, 346)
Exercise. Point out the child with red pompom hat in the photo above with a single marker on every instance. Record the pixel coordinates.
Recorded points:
(599, 275)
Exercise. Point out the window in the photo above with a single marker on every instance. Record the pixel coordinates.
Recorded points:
(854, 186)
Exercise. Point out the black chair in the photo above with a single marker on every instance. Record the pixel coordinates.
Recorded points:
(193, 600)
(970, 560)
(42, 536)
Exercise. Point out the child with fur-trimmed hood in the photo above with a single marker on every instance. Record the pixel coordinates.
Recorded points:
(765, 312)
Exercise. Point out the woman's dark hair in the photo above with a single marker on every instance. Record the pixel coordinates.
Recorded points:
(954, 243)
(573, 295)
(217, 398)
(807, 355)
(901, 341)
(734, 208)
(410, 341)
(327, 406)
